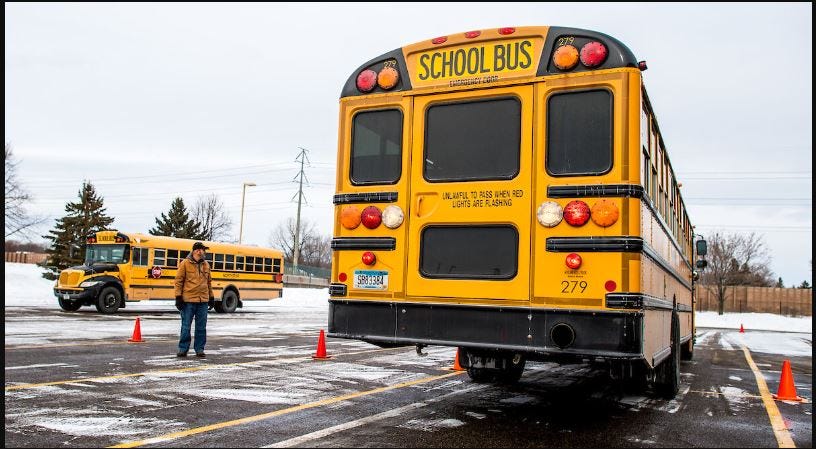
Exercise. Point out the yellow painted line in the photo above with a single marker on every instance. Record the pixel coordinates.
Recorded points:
(297, 408)
(780, 430)
(177, 370)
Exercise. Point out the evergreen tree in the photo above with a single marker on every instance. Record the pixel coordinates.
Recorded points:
(804, 284)
(68, 238)
(779, 283)
(177, 223)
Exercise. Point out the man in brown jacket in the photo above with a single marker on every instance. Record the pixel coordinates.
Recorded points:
(194, 295)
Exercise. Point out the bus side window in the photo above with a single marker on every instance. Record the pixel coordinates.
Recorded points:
(230, 263)
(250, 263)
(259, 265)
(267, 265)
(219, 262)
(239, 263)
(158, 257)
(172, 257)
(140, 257)
(277, 266)
(209, 258)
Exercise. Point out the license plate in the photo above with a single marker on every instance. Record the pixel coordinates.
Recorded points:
(66, 296)
(371, 279)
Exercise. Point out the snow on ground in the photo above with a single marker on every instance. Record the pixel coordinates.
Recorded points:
(301, 310)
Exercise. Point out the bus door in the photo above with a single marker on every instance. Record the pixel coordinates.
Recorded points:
(471, 178)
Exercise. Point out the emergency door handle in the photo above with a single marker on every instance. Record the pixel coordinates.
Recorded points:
(418, 205)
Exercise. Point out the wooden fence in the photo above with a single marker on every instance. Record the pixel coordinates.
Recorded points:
(25, 257)
(744, 299)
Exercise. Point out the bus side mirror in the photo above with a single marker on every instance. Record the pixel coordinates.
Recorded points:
(702, 264)
(702, 248)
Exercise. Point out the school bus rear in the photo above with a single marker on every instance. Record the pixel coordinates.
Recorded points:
(465, 213)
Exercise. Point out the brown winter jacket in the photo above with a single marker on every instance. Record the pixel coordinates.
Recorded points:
(193, 280)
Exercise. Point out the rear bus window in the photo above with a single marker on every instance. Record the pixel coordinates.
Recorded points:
(579, 133)
(450, 252)
(376, 147)
(477, 140)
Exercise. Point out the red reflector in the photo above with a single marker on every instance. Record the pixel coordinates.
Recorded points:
(439, 40)
(574, 261)
(472, 34)
(369, 258)
(593, 54)
(366, 80)
(342, 277)
(642, 65)
(576, 213)
(371, 217)
(610, 286)
(507, 30)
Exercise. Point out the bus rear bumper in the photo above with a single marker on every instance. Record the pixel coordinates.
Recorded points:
(537, 332)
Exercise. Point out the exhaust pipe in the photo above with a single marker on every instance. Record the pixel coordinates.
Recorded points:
(562, 334)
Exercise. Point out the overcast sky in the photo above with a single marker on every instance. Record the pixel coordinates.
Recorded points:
(151, 101)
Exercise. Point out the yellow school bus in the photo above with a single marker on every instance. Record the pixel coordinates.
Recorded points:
(121, 268)
(507, 191)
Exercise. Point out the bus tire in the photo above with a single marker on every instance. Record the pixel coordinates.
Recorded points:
(69, 306)
(511, 373)
(687, 350)
(229, 302)
(480, 375)
(668, 378)
(109, 300)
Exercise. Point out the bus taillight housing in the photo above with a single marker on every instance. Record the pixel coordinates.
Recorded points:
(576, 213)
(593, 54)
(371, 217)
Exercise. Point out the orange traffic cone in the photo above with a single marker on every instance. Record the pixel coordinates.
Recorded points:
(787, 391)
(137, 333)
(742, 329)
(321, 348)
(456, 365)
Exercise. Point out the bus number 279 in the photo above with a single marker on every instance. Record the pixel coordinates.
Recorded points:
(570, 286)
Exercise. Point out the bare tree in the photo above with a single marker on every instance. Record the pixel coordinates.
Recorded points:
(315, 250)
(736, 259)
(17, 219)
(210, 213)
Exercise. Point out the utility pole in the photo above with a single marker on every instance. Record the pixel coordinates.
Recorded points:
(302, 158)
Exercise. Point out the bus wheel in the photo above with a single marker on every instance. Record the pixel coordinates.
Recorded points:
(108, 301)
(480, 374)
(512, 371)
(229, 302)
(687, 351)
(69, 306)
(668, 376)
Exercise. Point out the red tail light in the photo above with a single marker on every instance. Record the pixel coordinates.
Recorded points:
(342, 277)
(366, 80)
(574, 261)
(593, 54)
(371, 217)
(576, 213)
(369, 258)
(610, 286)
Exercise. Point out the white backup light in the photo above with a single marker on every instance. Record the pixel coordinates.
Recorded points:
(392, 217)
(549, 213)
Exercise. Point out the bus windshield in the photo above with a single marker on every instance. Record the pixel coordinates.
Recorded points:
(106, 254)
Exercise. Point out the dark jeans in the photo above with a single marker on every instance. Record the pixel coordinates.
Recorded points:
(199, 311)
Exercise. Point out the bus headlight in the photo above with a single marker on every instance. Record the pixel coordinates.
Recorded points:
(89, 283)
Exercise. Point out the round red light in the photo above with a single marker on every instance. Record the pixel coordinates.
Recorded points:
(369, 258)
(342, 277)
(593, 54)
(472, 34)
(507, 30)
(439, 40)
(610, 286)
(366, 80)
(576, 213)
(573, 261)
(371, 217)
